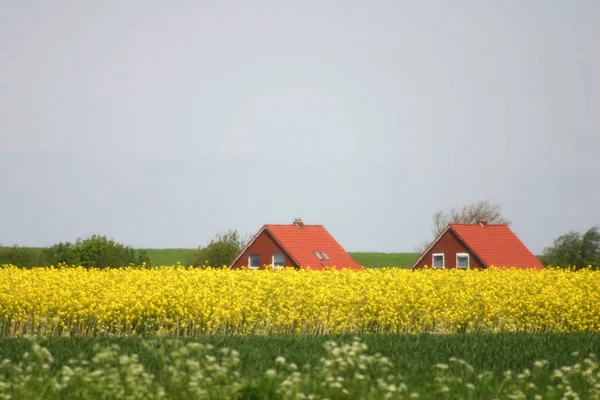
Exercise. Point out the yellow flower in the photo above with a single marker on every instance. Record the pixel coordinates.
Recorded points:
(188, 301)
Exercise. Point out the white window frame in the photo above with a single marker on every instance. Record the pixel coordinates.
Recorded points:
(468, 260)
(443, 260)
(319, 256)
(273, 260)
(326, 256)
(251, 267)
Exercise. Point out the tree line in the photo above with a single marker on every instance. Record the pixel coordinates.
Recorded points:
(95, 251)
(102, 252)
(574, 249)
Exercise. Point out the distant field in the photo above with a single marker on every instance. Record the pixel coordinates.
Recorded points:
(185, 256)
(402, 260)
(366, 259)
(170, 256)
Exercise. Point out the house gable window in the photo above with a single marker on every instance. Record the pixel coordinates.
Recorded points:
(254, 261)
(437, 260)
(462, 260)
(278, 260)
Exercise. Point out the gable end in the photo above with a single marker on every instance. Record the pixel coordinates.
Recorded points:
(450, 244)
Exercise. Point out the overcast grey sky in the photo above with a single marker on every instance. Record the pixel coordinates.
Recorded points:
(161, 123)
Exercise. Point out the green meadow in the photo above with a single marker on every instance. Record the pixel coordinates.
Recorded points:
(171, 256)
(366, 259)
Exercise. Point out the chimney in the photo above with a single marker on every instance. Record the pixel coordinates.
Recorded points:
(298, 222)
(483, 223)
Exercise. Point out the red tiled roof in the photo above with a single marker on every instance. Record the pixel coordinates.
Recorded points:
(497, 245)
(300, 242)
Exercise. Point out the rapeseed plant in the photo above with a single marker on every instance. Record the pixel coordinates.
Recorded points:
(179, 301)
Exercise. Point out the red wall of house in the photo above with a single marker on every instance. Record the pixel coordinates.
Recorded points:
(449, 244)
(265, 246)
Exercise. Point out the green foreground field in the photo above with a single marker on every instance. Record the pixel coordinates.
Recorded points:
(366, 259)
(423, 362)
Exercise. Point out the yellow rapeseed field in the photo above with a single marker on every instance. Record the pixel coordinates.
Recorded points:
(183, 301)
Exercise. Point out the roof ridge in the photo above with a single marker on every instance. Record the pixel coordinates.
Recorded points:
(475, 224)
(292, 225)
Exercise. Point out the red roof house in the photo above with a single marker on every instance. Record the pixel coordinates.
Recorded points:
(480, 245)
(294, 245)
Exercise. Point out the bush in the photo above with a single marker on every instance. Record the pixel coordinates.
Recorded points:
(20, 256)
(58, 253)
(220, 251)
(96, 251)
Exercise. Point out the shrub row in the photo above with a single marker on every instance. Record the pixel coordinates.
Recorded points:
(95, 251)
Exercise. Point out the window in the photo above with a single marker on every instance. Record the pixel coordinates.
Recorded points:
(254, 261)
(278, 260)
(318, 255)
(437, 260)
(462, 260)
(325, 256)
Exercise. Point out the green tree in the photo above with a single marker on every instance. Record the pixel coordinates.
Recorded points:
(575, 249)
(60, 252)
(95, 251)
(220, 251)
(19, 256)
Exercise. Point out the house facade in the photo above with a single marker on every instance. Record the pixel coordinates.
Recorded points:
(293, 245)
(477, 246)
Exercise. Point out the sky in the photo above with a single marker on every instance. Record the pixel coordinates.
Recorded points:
(160, 124)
